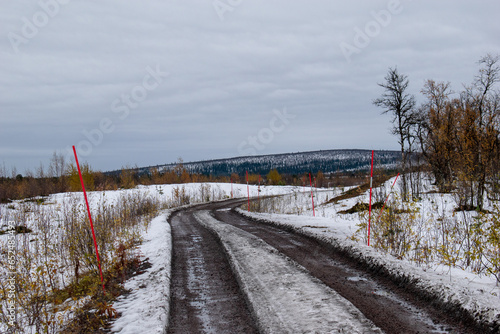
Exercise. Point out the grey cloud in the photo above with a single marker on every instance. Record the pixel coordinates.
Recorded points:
(226, 77)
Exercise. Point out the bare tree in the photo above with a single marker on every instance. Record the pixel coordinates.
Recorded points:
(3, 171)
(397, 101)
(57, 166)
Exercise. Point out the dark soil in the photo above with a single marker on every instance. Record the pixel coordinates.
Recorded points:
(95, 316)
(355, 192)
(359, 207)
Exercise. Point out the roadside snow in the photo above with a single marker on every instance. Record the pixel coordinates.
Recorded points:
(283, 296)
(453, 288)
(146, 308)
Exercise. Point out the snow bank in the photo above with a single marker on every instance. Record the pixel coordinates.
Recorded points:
(454, 294)
(146, 308)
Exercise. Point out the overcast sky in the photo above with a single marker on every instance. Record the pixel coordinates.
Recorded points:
(145, 82)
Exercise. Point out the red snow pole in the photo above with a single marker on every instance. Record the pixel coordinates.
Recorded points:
(90, 219)
(231, 187)
(370, 211)
(248, 193)
(312, 197)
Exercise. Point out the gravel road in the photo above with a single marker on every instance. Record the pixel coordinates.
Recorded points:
(213, 291)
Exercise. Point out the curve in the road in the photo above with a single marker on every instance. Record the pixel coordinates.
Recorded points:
(206, 296)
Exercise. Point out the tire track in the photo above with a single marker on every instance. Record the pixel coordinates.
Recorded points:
(205, 296)
(388, 306)
(284, 297)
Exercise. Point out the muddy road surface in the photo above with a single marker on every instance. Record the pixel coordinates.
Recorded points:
(207, 297)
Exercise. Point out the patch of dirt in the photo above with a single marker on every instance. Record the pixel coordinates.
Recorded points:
(95, 316)
(360, 207)
(355, 192)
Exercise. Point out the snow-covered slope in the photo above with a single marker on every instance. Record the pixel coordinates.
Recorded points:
(291, 163)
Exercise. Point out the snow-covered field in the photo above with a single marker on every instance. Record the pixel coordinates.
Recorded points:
(146, 307)
(44, 257)
(479, 294)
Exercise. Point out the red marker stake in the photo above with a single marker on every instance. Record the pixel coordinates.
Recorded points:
(90, 219)
(370, 211)
(231, 187)
(248, 193)
(312, 197)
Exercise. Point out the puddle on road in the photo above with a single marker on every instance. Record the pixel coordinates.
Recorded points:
(356, 279)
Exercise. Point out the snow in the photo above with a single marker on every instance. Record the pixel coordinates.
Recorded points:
(326, 161)
(146, 308)
(284, 297)
(25, 213)
(477, 295)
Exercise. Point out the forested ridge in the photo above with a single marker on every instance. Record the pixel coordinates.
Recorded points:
(327, 161)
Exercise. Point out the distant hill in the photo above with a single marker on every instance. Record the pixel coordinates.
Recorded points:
(290, 163)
